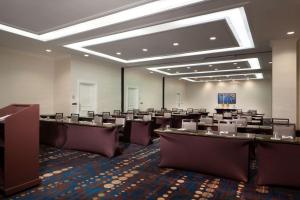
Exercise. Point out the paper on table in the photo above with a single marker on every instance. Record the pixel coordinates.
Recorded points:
(4, 117)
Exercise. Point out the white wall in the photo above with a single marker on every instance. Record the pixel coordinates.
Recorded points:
(62, 86)
(149, 86)
(106, 75)
(26, 78)
(175, 93)
(252, 94)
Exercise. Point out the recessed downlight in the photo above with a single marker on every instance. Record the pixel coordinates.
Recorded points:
(168, 69)
(48, 50)
(290, 33)
(235, 63)
(238, 67)
(195, 70)
(216, 69)
(270, 62)
(188, 67)
(119, 53)
(86, 55)
(145, 50)
(213, 38)
(175, 44)
(210, 65)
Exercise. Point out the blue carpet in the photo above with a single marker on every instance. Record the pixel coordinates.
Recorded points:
(134, 175)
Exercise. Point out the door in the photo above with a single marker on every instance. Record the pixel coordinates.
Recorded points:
(87, 95)
(133, 98)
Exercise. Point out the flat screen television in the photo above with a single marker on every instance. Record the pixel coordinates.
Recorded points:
(226, 98)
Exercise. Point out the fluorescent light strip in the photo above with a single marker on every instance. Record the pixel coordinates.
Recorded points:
(236, 19)
(258, 76)
(253, 62)
(119, 17)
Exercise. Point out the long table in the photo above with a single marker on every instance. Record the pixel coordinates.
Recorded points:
(221, 155)
(85, 136)
(278, 161)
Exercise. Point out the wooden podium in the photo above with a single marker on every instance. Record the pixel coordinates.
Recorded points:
(19, 148)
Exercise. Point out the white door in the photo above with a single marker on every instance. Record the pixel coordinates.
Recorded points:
(87, 95)
(133, 98)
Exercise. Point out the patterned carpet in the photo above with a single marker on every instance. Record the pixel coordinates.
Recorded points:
(135, 175)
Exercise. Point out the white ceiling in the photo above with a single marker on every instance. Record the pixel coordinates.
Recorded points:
(268, 20)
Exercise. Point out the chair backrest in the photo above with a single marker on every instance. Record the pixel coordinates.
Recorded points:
(189, 125)
(247, 117)
(150, 109)
(98, 120)
(239, 111)
(285, 130)
(227, 114)
(167, 115)
(147, 117)
(280, 121)
(59, 116)
(91, 114)
(130, 116)
(241, 121)
(105, 115)
(152, 114)
(163, 109)
(117, 112)
(217, 116)
(189, 110)
(252, 112)
(120, 121)
(202, 110)
(174, 109)
(196, 110)
(136, 111)
(206, 120)
(74, 117)
(129, 111)
(182, 112)
(231, 128)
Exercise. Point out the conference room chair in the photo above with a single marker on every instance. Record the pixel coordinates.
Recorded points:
(252, 112)
(74, 118)
(247, 117)
(285, 130)
(180, 110)
(167, 115)
(174, 109)
(147, 117)
(130, 116)
(59, 116)
(98, 120)
(120, 121)
(150, 110)
(105, 115)
(280, 121)
(163, 109)
(230, 128)
(136, 111)
(239, 111)
(206, 120)
(217, 117)
(196, 110)
(202, 110)
(189, 125)
(91, 114)
(129, 111)
(117, 112)
(227, 115)
(189, 110)
(240, 121)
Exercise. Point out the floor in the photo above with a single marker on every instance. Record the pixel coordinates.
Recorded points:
(135, 174)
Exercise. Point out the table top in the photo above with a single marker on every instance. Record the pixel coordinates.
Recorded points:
(82, 123)
(257, 137)
(239, 126)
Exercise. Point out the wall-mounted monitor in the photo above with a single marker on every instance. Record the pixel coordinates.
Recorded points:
(226, 98)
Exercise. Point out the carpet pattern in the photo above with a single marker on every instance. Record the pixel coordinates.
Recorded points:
(132, 175)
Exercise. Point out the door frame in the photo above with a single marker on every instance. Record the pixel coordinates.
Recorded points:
(138, 92)
(78, 93)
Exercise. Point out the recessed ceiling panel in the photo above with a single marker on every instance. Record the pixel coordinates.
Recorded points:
(47, 15)
(195, 38)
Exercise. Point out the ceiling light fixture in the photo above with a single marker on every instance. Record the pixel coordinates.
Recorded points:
(175, 44)
(238, 67)
(48, 50)
(253, 63)
(210, 65)
(218, 77)
(108, 20)
(119, 53)
(145, 50)
(212, 38)
(236, 19)
(270, 62)
(188, 67)
(86, 55)
(290, 33)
